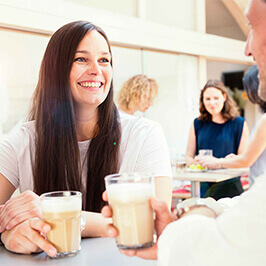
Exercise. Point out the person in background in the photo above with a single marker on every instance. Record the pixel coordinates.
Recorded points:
(234, 237)
(255, 154)
(220, 129)
(74, 138)
(137, 94)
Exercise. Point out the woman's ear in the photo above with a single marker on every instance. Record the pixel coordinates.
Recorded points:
(225, 96)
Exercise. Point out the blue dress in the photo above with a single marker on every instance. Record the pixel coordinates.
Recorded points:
(222, 139)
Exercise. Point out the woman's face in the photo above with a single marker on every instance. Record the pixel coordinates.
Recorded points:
(91, 72)
(213, 100)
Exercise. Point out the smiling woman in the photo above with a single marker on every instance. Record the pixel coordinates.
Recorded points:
(72, 112)
(73, 139)
(220, 129)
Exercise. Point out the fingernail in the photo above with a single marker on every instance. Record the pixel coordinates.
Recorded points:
(52, 252)
(46, 229)
(0, 229)
(7, 227)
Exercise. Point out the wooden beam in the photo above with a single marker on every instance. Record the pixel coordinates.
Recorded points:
(237, 9)
(242, 4)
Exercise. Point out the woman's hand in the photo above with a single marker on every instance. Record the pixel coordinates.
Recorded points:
(27, 238)
(19, 209)
(209, 161)
(189, 160)
(163, 218)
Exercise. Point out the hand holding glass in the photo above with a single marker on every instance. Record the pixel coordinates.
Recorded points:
(62, 210)
(128, 197)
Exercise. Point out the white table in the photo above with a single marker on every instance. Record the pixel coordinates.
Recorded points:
(94, 252)
(208, 176)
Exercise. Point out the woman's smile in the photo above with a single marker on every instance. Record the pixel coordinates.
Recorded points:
(91, 72)
(91, 85)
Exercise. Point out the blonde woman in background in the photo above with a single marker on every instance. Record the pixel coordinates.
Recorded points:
(137, 94)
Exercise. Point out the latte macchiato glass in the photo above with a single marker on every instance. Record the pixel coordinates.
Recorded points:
(205, 152)
(128, 196)
(62, 211)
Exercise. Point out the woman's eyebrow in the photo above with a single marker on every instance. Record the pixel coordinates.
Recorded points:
(87, 52)
(82, 52)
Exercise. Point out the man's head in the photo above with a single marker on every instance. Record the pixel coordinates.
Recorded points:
(256, 42)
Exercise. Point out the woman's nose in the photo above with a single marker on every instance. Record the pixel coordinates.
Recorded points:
(94, 68)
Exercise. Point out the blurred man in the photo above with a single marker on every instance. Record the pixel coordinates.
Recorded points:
(203, 236)
(256, 42)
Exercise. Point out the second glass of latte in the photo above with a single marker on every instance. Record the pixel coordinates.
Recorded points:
(128, 197)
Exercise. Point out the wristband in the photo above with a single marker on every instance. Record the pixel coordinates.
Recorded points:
(193, 203)
(182, 211)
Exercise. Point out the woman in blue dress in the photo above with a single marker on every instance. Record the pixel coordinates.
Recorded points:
(220, 129)
(255, 154)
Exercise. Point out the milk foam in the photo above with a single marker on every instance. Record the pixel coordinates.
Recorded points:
(132, 192)
(62, 204)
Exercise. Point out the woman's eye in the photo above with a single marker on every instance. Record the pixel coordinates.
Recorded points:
(80, 59)
(104, 60)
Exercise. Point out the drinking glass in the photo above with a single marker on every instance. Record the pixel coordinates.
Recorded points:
(128, 196)
(180, 163)
(62, 211)
(205, 152)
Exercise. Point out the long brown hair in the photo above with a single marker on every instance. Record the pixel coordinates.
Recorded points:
(57, 161)
(230, 109)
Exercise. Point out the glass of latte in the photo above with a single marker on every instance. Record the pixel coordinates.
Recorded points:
(62, 211)
(128, 197)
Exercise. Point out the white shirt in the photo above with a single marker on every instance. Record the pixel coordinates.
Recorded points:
(143, 149)
(259, 166)
(236, 237)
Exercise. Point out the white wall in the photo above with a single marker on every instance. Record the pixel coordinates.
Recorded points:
(123, 7)
(173, 13)
(126, 63)
(19, 68)
(177, 103)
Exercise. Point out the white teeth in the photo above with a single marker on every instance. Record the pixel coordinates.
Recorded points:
(91, 84)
